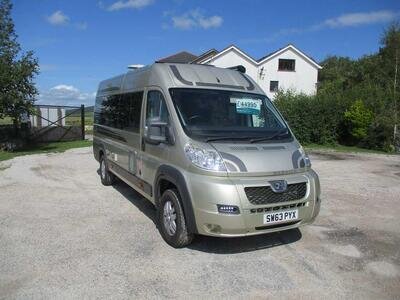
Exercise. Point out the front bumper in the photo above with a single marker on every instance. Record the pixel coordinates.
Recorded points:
(206, 192)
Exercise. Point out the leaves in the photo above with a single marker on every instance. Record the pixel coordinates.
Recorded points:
(359, 118)
(356, 99)
(17, 70)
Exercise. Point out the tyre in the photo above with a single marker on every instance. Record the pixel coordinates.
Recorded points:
(171, 220)
(107, 178)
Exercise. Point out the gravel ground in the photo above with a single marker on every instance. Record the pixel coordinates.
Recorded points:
(64, 235)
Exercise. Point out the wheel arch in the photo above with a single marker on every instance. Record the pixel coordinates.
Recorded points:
(174, 176)
(98, 150)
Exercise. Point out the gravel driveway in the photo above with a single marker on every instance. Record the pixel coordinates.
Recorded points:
(64, 235)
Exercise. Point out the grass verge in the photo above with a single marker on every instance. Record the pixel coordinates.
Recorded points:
(341, 148)
(45, 148)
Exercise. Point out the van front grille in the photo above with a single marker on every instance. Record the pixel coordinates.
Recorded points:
(259, 195)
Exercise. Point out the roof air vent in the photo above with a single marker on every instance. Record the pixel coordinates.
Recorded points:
(134, 67)
(238, 68)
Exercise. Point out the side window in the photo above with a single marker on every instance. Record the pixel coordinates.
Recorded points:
(120, 111)
(133, 106)
(110, 110)
(156, 107)
(97, 111)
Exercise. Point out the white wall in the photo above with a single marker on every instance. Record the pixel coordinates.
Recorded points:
(303, 79)
(233, 58)
(52, 114)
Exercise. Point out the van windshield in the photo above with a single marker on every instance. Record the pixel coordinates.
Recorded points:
(213, 115)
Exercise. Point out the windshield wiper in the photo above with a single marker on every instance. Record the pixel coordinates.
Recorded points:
(223, 138)
(266, 138)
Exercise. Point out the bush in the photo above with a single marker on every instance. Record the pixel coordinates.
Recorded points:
(358, 119)
(313, 119)
(333, 118)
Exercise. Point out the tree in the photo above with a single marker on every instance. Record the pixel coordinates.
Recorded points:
(17, 70)
(356, 102)
(359, 118)
(390, 53)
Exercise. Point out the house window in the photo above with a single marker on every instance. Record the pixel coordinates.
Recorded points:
(286, 65)
(273, 86)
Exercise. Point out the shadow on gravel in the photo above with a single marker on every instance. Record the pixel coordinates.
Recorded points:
(328, 155)
(212, 244)
(144, 205)
(245, 244)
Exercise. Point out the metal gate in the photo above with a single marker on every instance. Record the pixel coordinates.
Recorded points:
(54, 123)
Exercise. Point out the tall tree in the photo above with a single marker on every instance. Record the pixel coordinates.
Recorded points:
(17, 70)
(390, 53)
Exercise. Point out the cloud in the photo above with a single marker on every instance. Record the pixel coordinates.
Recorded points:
(130, 4)
(81, 25)
(58, 18)
(196, 19)
(361, 18)
(64, 94)
(345, 20)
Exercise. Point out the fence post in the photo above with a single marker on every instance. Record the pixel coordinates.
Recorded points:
(83, 121)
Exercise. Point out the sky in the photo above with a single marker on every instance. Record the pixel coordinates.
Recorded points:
(81, 42)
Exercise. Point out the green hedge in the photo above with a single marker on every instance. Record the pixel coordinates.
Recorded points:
(329, 118)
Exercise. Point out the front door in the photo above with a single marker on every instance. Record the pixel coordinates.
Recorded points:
(153, 155)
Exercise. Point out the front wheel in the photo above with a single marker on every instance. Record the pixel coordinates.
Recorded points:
(107, 178)
(171, 220)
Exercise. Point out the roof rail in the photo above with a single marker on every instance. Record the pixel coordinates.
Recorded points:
(238, 68)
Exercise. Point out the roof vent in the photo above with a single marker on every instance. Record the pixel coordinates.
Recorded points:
(134, 67)
(239, 68)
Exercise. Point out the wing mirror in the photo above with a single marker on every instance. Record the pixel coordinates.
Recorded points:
(157, 132)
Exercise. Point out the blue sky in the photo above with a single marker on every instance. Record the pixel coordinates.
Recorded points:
(80, 43)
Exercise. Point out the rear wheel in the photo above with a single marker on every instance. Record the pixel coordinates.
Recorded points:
(171, 220)
(107, 178)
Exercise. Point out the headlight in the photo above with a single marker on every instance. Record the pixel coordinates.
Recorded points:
(205, 159)
(307, 160)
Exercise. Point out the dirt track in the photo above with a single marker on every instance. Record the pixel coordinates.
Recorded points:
(64, 235)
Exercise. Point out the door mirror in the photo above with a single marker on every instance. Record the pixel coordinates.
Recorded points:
(157, 132)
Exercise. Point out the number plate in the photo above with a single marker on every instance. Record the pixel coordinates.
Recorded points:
(281, 216)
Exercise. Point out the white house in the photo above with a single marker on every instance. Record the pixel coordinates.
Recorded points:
(286, 68)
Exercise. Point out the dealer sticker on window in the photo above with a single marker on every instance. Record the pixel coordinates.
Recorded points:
(248, 106)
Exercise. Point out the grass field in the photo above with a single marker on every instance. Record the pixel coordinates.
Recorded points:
(5, 121)
(45, 148)
(75, 119)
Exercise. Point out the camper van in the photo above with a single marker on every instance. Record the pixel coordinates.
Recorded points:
(207, 147)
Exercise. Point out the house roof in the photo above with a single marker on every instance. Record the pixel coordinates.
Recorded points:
(230, 47)
(289, 46)
(180, 57)
(209, 53)
(262, 59)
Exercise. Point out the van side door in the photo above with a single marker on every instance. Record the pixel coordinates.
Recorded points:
(132, 110)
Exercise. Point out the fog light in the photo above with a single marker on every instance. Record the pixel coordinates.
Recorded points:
(213, 228)
(228, 209)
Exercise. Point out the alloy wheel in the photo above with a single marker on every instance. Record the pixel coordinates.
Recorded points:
(169, 218)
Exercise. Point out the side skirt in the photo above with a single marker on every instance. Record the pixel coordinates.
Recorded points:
(138, 184)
